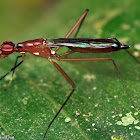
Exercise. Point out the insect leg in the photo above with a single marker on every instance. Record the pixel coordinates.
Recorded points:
(79, 27)
(133, 56)
(79, 21)
(23, 55)
(13, 71)
(105, 59)
(65, 54)
(115, 39)
(73, 86)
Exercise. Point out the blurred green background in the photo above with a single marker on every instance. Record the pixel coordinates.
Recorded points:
(38, 89)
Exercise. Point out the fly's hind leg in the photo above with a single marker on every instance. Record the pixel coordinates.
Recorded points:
(79, 22)
(104, 59)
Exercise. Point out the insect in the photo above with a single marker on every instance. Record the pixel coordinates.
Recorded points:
(48, 48)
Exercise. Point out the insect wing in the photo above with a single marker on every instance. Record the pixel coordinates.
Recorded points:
(80, 42)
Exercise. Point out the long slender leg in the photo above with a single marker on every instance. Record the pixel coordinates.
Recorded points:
(65, 54)
(80, 20)
(73, 86)
(23, 55)
(64, 74)
(76, 24)
(80, 26)
(133, 56)
(104, 59)
(13, 71)
(115, 39)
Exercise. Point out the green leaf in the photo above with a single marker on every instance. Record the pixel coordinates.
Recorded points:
(38, 90)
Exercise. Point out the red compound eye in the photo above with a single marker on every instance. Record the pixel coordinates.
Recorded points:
(7, 47)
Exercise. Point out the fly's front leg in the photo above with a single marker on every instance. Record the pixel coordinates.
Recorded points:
(13, 69)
